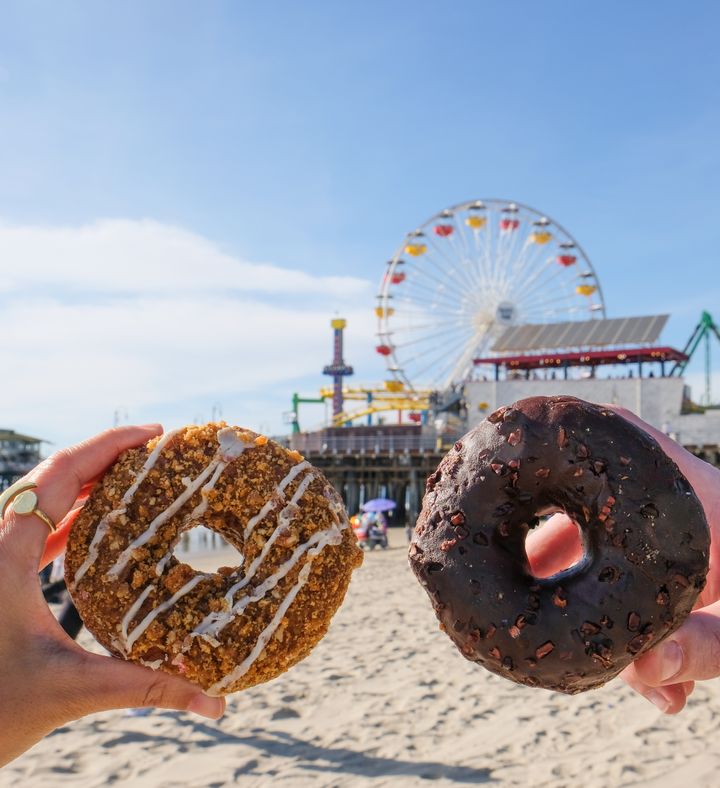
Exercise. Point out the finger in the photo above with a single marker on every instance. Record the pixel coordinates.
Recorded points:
(669, 700)
(60, 479)
(56, 542)
(554, 546)
(692, 653)
(109, 683)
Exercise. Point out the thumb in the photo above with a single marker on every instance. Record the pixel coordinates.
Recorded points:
(115, 684)
(692, 653)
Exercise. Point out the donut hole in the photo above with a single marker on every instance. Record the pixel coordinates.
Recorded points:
(555, 545)
(205, 550)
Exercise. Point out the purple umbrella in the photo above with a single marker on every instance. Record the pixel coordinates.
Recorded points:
(379, 505)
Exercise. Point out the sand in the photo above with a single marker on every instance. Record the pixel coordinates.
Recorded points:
(385, 700)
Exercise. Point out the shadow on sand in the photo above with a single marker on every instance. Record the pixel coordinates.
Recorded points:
(307, 756)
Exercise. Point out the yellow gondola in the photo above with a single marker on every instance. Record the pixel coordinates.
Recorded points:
(540, 237)
(394, 385)
(381, 311)
(415, 250)
(476, 222)
(586, 290)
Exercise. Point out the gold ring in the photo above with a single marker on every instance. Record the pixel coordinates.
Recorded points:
(24, 502)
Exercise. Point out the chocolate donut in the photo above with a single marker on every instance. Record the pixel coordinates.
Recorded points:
(644, 534)
(223, 630)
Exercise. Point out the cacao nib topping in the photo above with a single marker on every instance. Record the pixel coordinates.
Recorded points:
(480, 538)
(514, 437)
(630, 503)
(649, 511)
(633, 622)
(544, 650)
(496, 416)
(589, 628)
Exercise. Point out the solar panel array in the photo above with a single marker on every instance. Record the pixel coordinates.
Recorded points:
(581, 333)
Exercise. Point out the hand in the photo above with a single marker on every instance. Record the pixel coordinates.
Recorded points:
(666, 674)
(47, 679)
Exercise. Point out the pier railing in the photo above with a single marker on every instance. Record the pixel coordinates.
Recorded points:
(315, 443)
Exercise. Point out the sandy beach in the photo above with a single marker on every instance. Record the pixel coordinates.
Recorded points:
(385, 700)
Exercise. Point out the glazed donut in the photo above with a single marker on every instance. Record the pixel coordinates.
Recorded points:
(644, 534)
(223, 630)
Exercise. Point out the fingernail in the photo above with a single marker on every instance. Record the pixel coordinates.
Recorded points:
(671, 660)
(155, 427)
(658, 699)
(205, 706)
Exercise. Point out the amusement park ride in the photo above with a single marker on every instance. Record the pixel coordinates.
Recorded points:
(473, 293)
(488, 302)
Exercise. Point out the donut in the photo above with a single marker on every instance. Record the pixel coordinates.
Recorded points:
(643, 530)
(238, 626)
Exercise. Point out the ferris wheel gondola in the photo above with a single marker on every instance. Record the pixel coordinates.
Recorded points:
(467, 274)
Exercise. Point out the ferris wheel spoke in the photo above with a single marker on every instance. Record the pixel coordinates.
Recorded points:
(434, 291)
(527, 261)
(446, 372)
(409, 325)
(516, 260)
(541, 279)
(435, 359)
(474, 262)
(556, 307)
(465, 255)
(547, 288)
(447, 334)
(433, 301)
(437, 348)
(465, 361)
(422, 269)
(457, 274)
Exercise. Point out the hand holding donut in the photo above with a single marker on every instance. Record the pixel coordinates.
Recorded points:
(47, 679)
(666, 674)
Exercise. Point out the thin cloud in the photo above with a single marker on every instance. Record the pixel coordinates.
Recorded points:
(124, 256)
(140, 315)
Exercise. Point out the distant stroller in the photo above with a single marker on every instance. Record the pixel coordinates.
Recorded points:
(376, 532)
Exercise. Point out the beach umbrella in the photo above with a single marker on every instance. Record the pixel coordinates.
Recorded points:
(379, 505)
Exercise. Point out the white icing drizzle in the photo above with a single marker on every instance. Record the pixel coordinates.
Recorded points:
(149, 465)
(213, 623)
(265, 635)
(111, 517)
(131, 613)
(163, 562)
(283, 519)
(273, 500)
(165, 515)
(130, 639)
(154, 665)
(230, 447)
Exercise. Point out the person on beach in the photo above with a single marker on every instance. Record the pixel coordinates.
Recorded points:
(666, 675)
(48, 680)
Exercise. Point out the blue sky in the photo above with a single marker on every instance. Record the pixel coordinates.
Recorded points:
(310, 137)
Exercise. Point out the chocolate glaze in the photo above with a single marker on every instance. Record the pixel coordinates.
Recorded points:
(646, 543)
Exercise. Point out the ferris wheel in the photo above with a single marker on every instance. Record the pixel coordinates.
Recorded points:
(467, 274)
